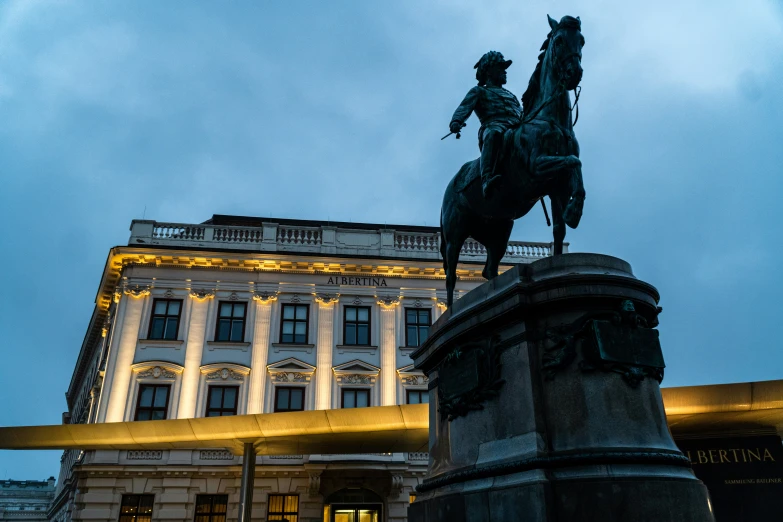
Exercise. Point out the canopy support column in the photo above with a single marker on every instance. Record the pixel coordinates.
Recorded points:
(248, 477)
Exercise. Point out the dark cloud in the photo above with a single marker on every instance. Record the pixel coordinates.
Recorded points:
(335, 111)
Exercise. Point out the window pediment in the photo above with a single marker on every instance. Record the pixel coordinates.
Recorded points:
(291, 370)
(411, 376)
(225, 372)
(157, 369)
(356, 366)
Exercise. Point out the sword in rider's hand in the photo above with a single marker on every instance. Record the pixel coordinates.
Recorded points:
(450, 133)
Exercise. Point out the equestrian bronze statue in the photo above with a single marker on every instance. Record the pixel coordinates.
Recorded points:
(526, 153)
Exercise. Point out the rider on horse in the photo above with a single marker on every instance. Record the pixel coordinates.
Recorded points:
(497, 109)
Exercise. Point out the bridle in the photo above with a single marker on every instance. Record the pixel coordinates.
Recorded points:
(561, 89)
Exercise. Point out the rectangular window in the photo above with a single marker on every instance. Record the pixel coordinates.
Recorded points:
(356, 398)
(136, 508)
(283, 507)
(222, 401)
(293, 327)
(211, 508)
(164, 323)
(418, 397)
(356, 325)
(417, 324)
(289, 399)
(153, 402)
(231, 322)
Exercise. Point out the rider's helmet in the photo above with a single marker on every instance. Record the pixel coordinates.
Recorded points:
(486, 62)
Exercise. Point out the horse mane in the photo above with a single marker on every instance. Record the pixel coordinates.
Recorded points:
(534, 85)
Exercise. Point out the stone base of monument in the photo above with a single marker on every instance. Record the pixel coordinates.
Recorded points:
(545, 402)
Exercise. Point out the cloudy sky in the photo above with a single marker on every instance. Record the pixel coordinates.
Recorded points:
(112, 111)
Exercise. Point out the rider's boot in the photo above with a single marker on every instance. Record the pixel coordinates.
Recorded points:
(489, 174)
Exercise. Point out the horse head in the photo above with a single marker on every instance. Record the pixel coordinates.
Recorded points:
(559, 67)
(564, 50)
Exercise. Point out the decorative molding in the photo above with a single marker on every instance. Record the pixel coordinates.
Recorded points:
(144, 455)
(396, 486)
(415, 380)
(202, 294)
(592, 458)
(388, 301)
(290, 377)
(216, 455)
(233, 297)
(117, 294)
(286, 457)
(157, 372)
(355, 348)
(288, 347)
(417, 303)
(357, 301)
(442, 305)
(326, 299)
(225, 374)
(161, 343)
(168, 293)
(314, 484)
(356, 378)
(419, 456)
(226, 345)
(137, 291)
(296, 299)
(265, 297)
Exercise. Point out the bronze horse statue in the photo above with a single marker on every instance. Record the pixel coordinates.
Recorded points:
(540, 157)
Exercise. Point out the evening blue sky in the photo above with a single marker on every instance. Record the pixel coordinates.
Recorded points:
(334, 110)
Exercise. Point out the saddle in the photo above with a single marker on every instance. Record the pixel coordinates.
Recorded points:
(471, 171)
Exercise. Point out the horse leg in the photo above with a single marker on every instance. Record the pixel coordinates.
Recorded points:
(496, 244)
(451, 259)
(573, 211)
(558, 224)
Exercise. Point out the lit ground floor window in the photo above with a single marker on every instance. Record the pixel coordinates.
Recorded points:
(283, 508)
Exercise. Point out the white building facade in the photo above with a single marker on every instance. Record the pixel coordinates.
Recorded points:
(246, 315)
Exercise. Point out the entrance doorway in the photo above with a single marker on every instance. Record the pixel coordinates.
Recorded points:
(354, 505)
(356, 513)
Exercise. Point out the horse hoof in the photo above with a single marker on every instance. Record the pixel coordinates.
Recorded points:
(573, 213)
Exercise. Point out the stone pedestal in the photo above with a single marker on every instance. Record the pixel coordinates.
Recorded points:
(545, 402)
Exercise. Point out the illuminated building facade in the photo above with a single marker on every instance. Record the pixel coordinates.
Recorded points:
(245, 315)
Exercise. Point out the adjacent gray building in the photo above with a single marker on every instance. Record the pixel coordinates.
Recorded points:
(26, 500)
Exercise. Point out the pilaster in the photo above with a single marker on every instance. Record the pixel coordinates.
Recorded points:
(260, 353)
(388, 344)
(197, 328)
(324, 350)
(126, 349)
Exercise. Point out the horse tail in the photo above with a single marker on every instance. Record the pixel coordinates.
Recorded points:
(443, 243)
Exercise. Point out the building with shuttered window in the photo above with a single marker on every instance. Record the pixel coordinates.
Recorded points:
(245, 315)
